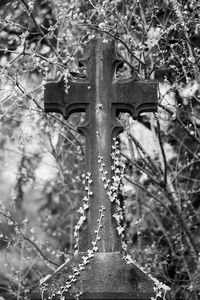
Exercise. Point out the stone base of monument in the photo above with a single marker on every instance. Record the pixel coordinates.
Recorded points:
(106, 276)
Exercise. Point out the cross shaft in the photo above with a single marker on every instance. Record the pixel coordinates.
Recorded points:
(101, 96)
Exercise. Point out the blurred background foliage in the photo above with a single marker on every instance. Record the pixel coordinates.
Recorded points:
(42, 156)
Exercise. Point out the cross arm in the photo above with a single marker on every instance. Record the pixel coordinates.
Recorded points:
(135, 96)
(74, 99)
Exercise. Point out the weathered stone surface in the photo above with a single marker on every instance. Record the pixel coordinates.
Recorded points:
(102, 96)
(106, 276)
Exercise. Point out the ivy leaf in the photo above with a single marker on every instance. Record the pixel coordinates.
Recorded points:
(95, 248)
(120, 230)
(117, 217)
(85, 206)
(90, 253)
(85, 260)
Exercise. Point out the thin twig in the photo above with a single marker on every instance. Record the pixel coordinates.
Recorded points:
(146, 155)
(180, 123)
(20, 267)
(178, 12)
(27, 239)
(40, 30)
(142, 169)
(148, 192)
(162, 151)
(177, 211)
(37, 248)
(184, 167)
(118, 39)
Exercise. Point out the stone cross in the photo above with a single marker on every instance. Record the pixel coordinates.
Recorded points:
(102, 97)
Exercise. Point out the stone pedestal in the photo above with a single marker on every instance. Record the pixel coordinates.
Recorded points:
(106, 276)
